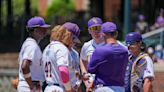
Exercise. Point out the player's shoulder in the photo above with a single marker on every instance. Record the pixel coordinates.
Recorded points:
(148, 59)
(122, 44)
(102, 49)
(74, 51)
(88, 43)
(144, 60)
(58, 46)
(86, 46)
(30, 43)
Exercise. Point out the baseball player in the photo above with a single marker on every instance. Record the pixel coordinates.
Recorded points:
(94, 26)
(57, 60)
(139, 73)
(75, 60)
(109, 62)
(30, 65)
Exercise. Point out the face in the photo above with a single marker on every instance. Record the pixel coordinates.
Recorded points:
(135, 48)
(95, 32)
(40, 33)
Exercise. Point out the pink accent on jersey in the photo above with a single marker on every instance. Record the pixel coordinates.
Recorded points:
(64, 73)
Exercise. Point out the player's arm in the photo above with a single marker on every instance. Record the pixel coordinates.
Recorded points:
(83, 70)
(148, 75)
(147, 86)
(26, 72)
(64, 75)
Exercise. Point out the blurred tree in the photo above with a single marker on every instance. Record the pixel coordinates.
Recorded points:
(27, 14)
(0, 13)
(96, 8)
(61, 9)
(18, 7)
(9, 17)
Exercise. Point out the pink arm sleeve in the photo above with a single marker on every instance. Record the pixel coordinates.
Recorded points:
(64, 73)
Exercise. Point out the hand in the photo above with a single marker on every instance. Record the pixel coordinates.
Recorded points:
(85, 76)
(77, 73)
(32, 88)
(69, 90)
(14, 83)
(89, 85)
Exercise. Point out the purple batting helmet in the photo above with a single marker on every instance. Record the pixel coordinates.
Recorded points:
(133, 37)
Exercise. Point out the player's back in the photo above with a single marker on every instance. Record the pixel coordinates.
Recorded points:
(111, 64)
(52, 59)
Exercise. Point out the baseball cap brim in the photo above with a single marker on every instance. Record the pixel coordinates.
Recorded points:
(94, 25)
(45, 26)
(130, 43)
(108, 31)
(76, 39)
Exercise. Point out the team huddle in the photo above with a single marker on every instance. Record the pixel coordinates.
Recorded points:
(103, 65)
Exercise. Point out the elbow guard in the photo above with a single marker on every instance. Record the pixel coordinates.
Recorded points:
(64, 74)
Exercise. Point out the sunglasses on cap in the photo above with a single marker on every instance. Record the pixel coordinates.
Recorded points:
(95, 28)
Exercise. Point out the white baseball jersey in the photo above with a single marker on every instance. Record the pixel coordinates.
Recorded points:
(88, 48)
(149, 71)
(74, 66)
(55, 54)
(31, 51)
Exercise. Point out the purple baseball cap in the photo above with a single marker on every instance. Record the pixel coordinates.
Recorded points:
(95, 21)
(37, 22)
(74, 29)
(133, 37)
(108, 27)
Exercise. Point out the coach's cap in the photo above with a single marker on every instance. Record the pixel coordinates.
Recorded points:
(37, 22)
(133, 37)
(74, 29)
(95, 21)
(108, 27)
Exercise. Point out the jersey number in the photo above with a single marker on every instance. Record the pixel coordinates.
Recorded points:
(48, 69)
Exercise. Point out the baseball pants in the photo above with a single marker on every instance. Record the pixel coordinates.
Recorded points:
(110, 89)
(53, 88)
